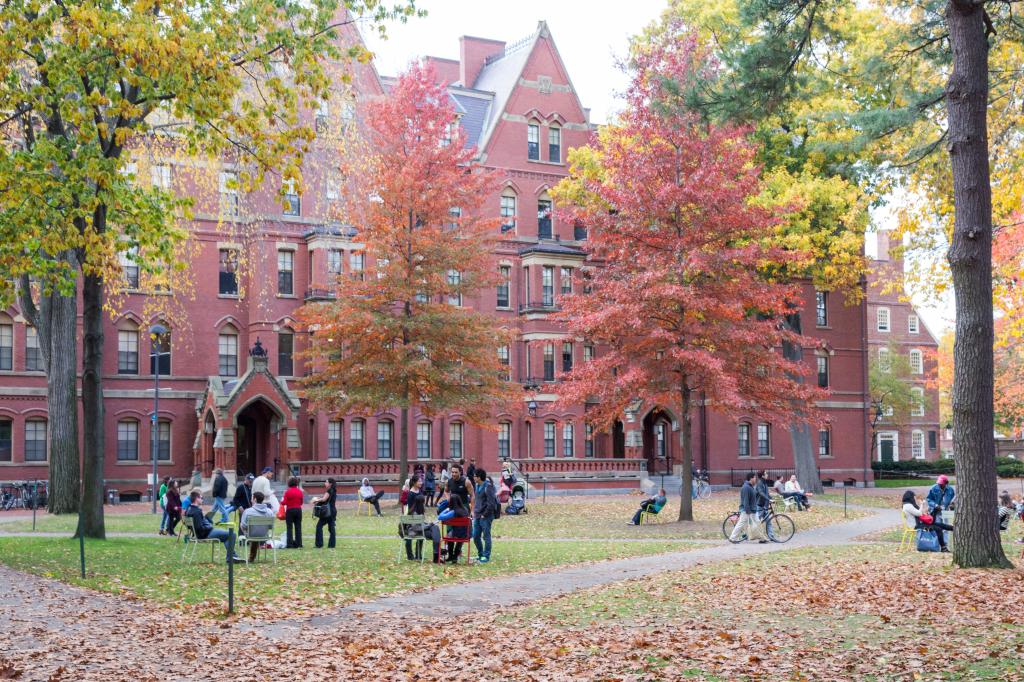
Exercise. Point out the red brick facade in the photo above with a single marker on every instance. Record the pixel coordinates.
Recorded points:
(219, 407)
(893, 321)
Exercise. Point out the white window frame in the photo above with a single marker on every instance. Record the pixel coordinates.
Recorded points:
(568, 439)
(160, 176)
(913, 324)
(884, 360)
(917, 406)
(335, 429)
(227, 346)
(883, 320)
(916, 361)
(915, 436)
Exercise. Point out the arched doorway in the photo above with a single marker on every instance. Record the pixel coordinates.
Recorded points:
(256, 429)
(657, 429)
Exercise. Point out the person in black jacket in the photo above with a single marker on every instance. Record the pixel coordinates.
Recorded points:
(220, 494)
(485, 508)
(416, 506)
(764, 497)
(202, 525)
(243, 495)
(329, 498)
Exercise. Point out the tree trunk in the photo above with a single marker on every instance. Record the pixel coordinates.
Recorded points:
(403, 448)
(976, 538)
(55, 322)
(90, 520)
(686, 445)
(800, 433)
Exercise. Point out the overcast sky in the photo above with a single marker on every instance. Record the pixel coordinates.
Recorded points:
(590, 38)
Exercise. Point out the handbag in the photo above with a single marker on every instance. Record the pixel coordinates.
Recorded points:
(320, 510)
(927, 519)
(280, 513)
(927, 540)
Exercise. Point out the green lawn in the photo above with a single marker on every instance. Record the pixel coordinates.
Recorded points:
(602, 516)
(302, 580)
(907, 482)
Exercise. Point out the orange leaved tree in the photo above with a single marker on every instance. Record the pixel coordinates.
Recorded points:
(399, 336)
(683, 306)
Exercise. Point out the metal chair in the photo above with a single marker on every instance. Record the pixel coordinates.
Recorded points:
(412, 528)
(364, 503)
(460, 522)
(193, 541)
(259, 531)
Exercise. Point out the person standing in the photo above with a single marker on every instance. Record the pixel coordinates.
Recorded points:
(485, 509)
(173, 508)
(457, 486)
(471, 471)
(939, 499)
(220, 494)
(163, 504)
(443, 479)
(919, 519)
(292, 503)
(749, 523)
(763, 496)
(262, 484)
(330, 499)
(429, 486)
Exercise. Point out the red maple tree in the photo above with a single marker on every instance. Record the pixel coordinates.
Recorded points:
(684, 305)
(398, 336)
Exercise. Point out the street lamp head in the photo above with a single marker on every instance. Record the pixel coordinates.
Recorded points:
(157, 330)
(531, 407)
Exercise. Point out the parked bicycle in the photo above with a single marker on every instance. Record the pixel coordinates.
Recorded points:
(777, 527)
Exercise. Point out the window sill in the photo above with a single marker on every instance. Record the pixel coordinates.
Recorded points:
(287, 296)
(825, 327)
(506, 308)
(545, 163)
(24, 464)
(231, 296)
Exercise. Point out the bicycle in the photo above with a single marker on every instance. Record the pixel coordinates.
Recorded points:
(778, 527)
(702, 484)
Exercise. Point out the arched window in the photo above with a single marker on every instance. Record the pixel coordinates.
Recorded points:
(160, 354)
(544, 229)
(455, 440)
(357, 429)
(163, 441)
(533, 140)
(916, 361)
(385, 429)
(35, 440)
(227, 352)
(743, 438)
(508, 210)
(285, 352)
(423, 440)
(127, 440)
(554, 143)
(504, 440)
(568, 449)
(334, 435)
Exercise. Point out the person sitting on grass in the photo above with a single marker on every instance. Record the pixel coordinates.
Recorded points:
(203, 526)
(652, 504)
(456, 509)
(367, 495)
(258, 508)
(920, 520)
(793, 488)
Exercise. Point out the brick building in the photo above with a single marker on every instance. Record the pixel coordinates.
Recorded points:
(896, 326)
(254, 261)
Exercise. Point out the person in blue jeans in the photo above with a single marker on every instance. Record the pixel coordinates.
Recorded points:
(220, 494)
(202, 525)
(485, 508)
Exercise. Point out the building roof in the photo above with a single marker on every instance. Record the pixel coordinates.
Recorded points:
(500, 75)
(556, 248)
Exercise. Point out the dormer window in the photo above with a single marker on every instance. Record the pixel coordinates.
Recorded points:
(533, 141)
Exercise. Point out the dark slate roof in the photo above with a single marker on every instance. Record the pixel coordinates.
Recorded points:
(474, 110)
(555, 248)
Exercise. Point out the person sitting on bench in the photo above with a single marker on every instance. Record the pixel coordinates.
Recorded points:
(652, 505)
(793, 489)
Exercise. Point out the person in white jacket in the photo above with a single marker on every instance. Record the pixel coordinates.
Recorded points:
(366, 494)
(793, 488)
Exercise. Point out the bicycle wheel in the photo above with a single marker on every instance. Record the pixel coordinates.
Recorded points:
(780, 528)
(729, 524)
(703, 490)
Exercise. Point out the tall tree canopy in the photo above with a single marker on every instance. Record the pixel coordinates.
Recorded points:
(82, 83)
(401, 338)
(680, 305)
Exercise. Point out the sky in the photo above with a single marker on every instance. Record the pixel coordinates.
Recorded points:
(590, 41)
(589, 37)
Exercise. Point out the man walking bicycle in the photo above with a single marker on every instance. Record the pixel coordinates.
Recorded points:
(749, 523)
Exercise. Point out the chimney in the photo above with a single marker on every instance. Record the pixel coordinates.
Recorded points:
(447, 70)
(473, 52)
(882, 239)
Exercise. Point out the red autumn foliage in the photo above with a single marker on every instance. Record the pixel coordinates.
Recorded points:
(684, 305)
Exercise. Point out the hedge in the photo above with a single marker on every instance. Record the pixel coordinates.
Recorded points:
(1006, 467)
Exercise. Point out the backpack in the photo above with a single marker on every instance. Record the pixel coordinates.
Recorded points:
(495, 505)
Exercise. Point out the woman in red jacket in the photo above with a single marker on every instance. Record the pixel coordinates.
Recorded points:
(292, 503)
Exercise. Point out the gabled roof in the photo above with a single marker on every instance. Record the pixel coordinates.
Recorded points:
(500, 75)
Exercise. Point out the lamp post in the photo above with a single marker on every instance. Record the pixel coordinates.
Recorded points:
(155, 332)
